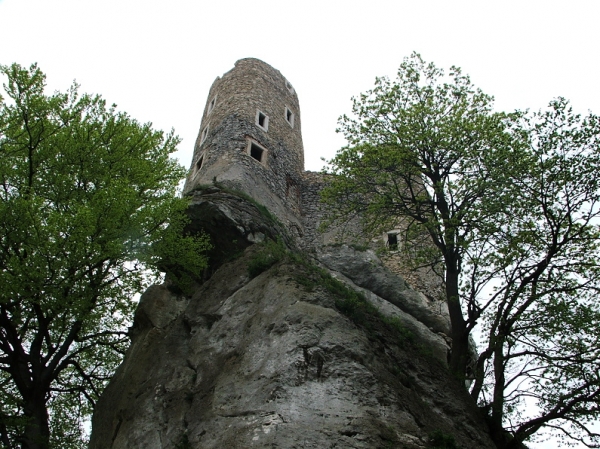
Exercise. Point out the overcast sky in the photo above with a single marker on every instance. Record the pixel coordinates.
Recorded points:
(157, 59)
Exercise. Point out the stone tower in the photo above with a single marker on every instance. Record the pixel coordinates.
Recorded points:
(250, 139)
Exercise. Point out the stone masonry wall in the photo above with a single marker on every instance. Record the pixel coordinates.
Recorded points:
(314, 214)
(229, 122)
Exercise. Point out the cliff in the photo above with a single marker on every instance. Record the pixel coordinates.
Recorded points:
(285, 348)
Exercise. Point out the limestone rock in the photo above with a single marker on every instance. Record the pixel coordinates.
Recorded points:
(435, 343)
(232, 222)
(367, 271)
(266, 362)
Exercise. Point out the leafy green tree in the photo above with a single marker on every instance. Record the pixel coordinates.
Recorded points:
(424, 150)
(87, 202)
(510, 203)
(542, 320)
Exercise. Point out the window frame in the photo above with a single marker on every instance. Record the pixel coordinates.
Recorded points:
(264, 123)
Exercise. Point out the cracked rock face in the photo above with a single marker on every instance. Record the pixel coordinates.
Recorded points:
(267, 362)
(367, 271)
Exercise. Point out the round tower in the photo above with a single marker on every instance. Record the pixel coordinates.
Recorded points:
(250, 138)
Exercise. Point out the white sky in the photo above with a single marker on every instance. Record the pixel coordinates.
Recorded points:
(158, 59)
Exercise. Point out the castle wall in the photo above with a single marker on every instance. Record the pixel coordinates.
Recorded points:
(351, 232)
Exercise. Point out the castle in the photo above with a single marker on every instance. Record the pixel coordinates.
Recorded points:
(272, 359)
(250, 140)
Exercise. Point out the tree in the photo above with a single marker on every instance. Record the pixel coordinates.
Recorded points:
(542, 324)
(426, 151)
(510, 203)
(87, 211)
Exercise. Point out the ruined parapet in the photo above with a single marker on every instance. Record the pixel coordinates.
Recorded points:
(250, 140)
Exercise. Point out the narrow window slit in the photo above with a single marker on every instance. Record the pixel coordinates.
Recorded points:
(211, 105)
(204, 135)
(289, 116)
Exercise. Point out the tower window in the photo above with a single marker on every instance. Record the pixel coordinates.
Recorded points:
(289, 116)
(211, 105)
(262, 120)
(200, 162)
(392, 241)
(204, 135)
(257, 151)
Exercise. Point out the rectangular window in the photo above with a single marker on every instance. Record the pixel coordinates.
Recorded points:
(392, 241)
(257, 151)
(289, 117)
(262, 120)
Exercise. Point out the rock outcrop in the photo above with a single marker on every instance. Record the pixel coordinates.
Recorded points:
(321, 350)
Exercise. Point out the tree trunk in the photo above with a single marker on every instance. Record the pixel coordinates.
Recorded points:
(497, 406)
(37, 429)
(459, 334)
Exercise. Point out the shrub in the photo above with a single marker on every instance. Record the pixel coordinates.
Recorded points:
(271, 253)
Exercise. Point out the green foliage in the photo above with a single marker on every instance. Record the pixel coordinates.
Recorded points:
(402, 333)
(270, 253)
(88, 210)
(348, 301)
(178, 254)
(424, 147)
(509, 205)
(358, 247)
(440, 440)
